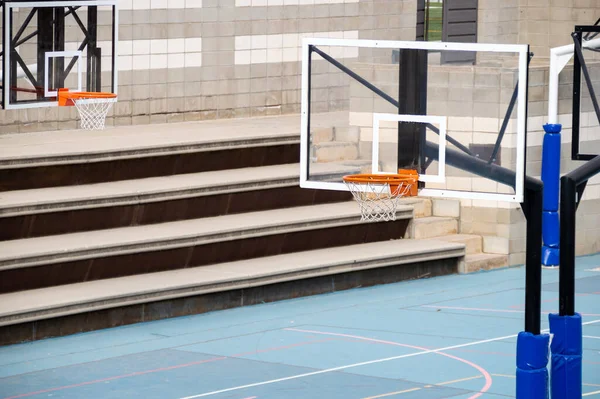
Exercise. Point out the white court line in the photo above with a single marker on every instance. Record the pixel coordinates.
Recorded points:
(589, 336)
(387, 359)
(474, 309)
(495, 310)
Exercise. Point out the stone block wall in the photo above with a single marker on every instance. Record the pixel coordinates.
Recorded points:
(543, 24)
(185, 60)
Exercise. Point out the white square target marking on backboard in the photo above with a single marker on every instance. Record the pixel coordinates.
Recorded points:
(425, 119)
(55, 54)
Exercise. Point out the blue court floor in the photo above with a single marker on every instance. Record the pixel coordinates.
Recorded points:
(445, 337)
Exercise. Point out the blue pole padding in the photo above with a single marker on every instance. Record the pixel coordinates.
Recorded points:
(550, 256)
(550, 231)
(551, 166)
(532, 361)
(551, 178)
(567, 350)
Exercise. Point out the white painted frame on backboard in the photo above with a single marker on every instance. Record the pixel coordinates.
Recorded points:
(8, 5)
(521, 49)
(434, 120)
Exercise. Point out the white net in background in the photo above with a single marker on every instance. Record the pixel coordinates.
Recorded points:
(377, 202)
(93, 111)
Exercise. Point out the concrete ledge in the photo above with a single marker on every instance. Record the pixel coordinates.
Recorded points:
(123, 142)
(158, 237)
(33, 305)
(153, 189)
(432, 226)
(476, 262)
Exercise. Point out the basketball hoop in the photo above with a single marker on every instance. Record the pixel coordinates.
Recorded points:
(378, 194)
(92, 106)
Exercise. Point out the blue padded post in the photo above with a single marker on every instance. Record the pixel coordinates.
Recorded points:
(532, 361)
(551, 178)
(567, 350)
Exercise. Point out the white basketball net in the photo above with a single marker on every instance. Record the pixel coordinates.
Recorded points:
(376, 202)
(92, 111)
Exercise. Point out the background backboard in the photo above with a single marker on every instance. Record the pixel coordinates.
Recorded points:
(49, 45)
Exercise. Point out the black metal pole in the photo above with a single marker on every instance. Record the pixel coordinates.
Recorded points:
(532, 207)
(114, 67)
(566, 286)
(92, 30)
(13, 62)
(59, 45)
(576, 104)
(308, 105)
(45, 43)
(412, 100)
(3, 51)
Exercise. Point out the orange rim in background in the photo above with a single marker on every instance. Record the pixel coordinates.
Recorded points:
(404, 177)
(66, 97)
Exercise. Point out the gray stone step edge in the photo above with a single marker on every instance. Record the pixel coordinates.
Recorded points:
(288, 267)
(91, 156)
(270, 227)
(137, 191)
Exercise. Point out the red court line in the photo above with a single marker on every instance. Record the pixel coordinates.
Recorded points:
(484, 372)
(177, 366)
(117, 377)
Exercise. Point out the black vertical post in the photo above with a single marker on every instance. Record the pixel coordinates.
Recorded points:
(309, 95)
(92, 76)
(576, 102)
(59, 45)
(412, 100)
(532, 207)
(4, 52)
(45, 39)
(421, 20)
(568, 209)
(13, 61)
(114, 68)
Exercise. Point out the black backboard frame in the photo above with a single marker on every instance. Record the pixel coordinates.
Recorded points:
(578, 70)
(49, 14)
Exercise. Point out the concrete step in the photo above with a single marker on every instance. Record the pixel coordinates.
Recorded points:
(80, 307)
(335, 151)
(473, 243)
(432, 226)
(335, 133)
(476, 262)
(68, 209)
(60, 158)
(43, 261)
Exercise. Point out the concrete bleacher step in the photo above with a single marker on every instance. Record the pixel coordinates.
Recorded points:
(50, 159)
(39, 313)
(432, 226)
(473, 243)
(60, 210)
(482, 261)
(77, 257)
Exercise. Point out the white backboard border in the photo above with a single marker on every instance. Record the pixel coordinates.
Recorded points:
(521, 141)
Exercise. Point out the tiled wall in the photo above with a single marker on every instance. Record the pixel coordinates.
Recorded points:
(204, 59)
(541, 23)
